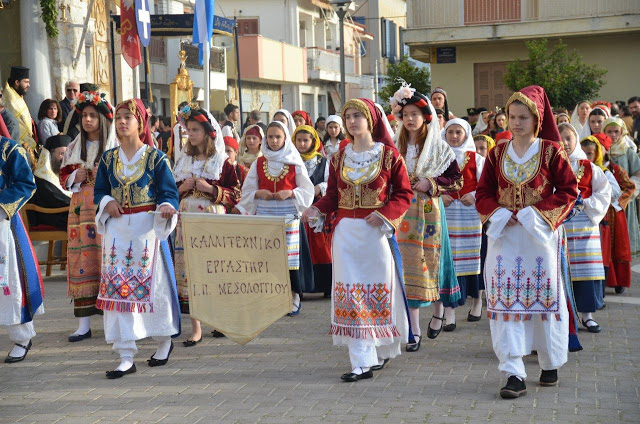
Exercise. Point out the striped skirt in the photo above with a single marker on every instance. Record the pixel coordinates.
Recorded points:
(585, 250)
(465, 233)
(284, 208)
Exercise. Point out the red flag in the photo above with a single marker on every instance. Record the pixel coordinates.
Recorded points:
(129, 40)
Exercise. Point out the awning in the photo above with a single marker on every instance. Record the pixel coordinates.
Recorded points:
(182, 25)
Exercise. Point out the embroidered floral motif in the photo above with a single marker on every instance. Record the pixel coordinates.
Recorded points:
(359, 304)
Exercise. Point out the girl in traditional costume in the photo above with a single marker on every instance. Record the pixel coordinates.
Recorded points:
(138, 292)
(429, 273)
(334, 135)
(525, 192)
(463, 222)
(583, 229)
(207, 183)
(21, 289)
(308, 144)
(231, 148)
(580, 115)
(595, 122)
(484, 144)
(300, 117)
(616, 250)
(623, 154)
(278, 184)
(370, 190)
(250, 145)
(285, 117)
(78, 175)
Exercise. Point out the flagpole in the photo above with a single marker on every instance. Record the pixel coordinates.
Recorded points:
(207, 74)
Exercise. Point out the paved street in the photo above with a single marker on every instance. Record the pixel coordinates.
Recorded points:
(291, 374)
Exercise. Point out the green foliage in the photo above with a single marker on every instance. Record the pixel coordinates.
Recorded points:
(419, 78)
(49, 17)
(563, 75)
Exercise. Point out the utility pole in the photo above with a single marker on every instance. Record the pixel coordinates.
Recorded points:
(342, 7)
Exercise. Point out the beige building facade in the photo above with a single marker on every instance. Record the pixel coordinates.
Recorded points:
(469, 42)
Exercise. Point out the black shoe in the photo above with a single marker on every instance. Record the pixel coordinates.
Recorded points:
(189, 343)
(327, 295)
(619, 290)
(449, 327)
(413, 347)
(112, 375)
(473, 318)
(217, 335)
(592, 328)
(379, 367)
(514, 388)
(351, 377)
(534, 352)
(79, 337)
(431, 333)
(153, 362)
(549, 378)
(14, 359)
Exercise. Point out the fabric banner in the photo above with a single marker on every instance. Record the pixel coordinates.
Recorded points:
(237, 272)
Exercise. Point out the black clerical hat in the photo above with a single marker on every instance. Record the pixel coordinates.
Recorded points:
(56, 141)
(18, 73)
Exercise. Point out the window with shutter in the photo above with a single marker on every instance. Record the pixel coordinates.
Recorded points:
(248, 26)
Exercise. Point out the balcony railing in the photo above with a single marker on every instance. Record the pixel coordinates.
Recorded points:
(216, 58)
(449, 13)
(319, 59)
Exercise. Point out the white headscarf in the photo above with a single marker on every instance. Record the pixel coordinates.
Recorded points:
(467, 146)
(291, 126)
(436, 155)
(336, 119)
(480, 125)
(287, 155)
(577, 153)
(213, 166)
(73, 154)
(575, 118)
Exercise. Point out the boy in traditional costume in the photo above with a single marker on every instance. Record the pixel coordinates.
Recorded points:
(370, 190)
(21, 289)
(526, 191)
(138, 292)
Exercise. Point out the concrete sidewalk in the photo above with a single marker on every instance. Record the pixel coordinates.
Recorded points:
(291, 373)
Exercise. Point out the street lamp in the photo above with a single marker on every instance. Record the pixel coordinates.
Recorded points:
(342, 7)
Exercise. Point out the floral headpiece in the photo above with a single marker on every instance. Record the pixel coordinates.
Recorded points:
(195, 113)
(97, 100)
(407, 95)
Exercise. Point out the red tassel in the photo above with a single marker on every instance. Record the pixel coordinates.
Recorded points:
(6, 291)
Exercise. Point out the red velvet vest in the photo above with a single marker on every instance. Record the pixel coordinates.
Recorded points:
(285, 181)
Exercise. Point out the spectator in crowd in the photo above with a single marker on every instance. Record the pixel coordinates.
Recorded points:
(164, 134)
(634, 108)
(49, 117)
(255, 119)
(232, 113)
(320, 126)
(71, 91)
(16, 87)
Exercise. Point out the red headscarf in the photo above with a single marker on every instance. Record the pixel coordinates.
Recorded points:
(503, 135)
(535, 98)
(604, 139)
(138, 110)
(372, 113)
(304, 115)
(231, 142)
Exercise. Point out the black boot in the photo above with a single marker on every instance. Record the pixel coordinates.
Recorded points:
(514, 388)
(549, 377)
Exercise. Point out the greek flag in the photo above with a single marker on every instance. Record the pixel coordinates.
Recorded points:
(202, 25)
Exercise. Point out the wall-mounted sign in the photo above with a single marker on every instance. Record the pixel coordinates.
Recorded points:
(445, 55)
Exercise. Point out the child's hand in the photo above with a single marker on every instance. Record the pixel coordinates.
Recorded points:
(283, 194)
(264, 194)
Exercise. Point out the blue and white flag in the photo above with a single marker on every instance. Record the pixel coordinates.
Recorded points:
(202, 25)
(143, 21)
